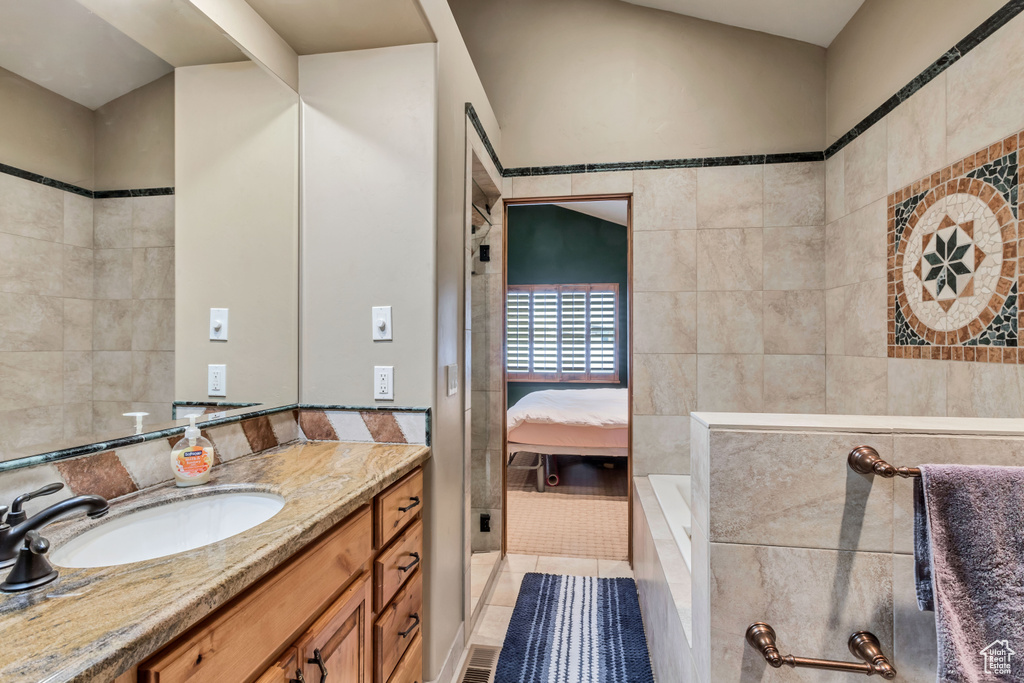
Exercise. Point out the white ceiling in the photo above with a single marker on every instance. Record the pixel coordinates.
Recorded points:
(812, 21)
(65, 48)
(611, 210)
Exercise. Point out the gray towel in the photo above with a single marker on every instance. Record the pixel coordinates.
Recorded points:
(969, 566)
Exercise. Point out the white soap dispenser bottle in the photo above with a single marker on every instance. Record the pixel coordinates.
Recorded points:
(192, 457)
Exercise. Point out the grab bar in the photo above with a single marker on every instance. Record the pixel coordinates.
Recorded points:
(865, 460)
(863, 645)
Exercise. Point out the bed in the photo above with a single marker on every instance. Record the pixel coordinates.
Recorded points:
(570, 422)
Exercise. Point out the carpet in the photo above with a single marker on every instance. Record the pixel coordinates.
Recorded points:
(575, 629)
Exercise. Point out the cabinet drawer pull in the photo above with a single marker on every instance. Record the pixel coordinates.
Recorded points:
(415, 561)
(318, 659)
(415, 501)
(299, 678)
(406, 632)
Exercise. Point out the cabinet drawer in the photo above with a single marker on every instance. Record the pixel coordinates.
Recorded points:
(285, 670)
(396, 564)
(240, 641)
(410, 669)
(337, 646)
(399, 505)
(397, 626)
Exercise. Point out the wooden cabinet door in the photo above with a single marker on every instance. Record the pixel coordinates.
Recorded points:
(337, 646)
(286, 670)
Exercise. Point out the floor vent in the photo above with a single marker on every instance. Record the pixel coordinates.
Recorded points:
(480, 664)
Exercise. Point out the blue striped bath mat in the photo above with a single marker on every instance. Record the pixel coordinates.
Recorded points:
(575, 629)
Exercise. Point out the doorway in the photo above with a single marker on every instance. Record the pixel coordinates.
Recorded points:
(566, 377)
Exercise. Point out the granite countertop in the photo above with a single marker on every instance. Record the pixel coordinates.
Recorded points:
(93, 624)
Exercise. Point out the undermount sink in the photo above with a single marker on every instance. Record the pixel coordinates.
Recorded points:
(168, 529)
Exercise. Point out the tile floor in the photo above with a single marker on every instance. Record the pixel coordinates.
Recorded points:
(490, 628)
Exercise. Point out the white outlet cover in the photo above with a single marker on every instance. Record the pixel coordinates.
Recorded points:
(382, 323)
(452, 378)
(384, 383)
(217, 380)
(218, 324)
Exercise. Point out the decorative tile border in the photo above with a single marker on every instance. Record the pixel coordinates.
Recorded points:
(81, 191)
(362, 425)
(955, 283)
(949, 57)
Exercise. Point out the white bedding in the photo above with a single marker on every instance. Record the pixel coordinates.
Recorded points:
(601, 408)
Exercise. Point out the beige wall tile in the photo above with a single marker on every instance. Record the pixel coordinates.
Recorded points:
(153, 273)
(917, 135)
(21, 430)
(729, 259)
(78, 420)
(983, 390)
(797, 472)
(108, 416)
(730, 322)
(665, 261)
(665, 322)
(229, 441)
(794, 322)
(112, 325)
(730, 383)
(917, 387)
(855, 385)
(664, 384)
(31, 379)
(159, 413)
(112, 376)
(661, 444)
(835, 189)
(31, 323)
(78, 316)
(153, 376)
(78, 220)
(30, 209)
(285, 427)
(542, 186)
(794, 384)
(985, 92)
(855, 247)
(794, 194)
(614, 182)
(783, 586)
(78, 377)
(148, 463)
(794, 258)
(78, 272)
(835, 321)
(865, 314)
(665, 199)
(914, 651)
(29, 266)
(864, 168)
(113, 271)
(152, 325)
(112, 223)
(152, 221)
(730, 197)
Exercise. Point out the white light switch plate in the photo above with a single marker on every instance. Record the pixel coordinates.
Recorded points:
(382, 323)
(218, 324)
(384, 383)
(217, 380)
(451, 375)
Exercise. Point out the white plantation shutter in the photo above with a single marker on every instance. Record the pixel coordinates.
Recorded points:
(562, 333)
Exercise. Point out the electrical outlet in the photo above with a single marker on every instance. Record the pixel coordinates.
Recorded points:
(485, 522)
(451, 376)
(384, 383)
(217, 380)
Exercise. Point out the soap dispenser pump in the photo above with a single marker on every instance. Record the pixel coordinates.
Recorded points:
(192, 457)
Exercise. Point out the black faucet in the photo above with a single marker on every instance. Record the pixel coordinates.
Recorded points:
(17, 525)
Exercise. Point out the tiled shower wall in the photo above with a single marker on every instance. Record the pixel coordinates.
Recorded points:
(85, 307)
(728, 293)
(978, 101)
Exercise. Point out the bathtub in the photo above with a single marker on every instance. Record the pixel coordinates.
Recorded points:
(673, 493)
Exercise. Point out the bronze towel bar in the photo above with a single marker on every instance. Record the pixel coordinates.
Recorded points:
(863, 645)
(865, 460)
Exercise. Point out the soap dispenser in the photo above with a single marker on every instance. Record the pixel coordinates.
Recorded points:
(192, 457)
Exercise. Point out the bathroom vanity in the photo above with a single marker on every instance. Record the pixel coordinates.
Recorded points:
(328, 587)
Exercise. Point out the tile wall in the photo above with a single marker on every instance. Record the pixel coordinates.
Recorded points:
(86, 312)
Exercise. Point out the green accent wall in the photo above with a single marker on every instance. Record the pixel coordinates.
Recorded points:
(549, 245)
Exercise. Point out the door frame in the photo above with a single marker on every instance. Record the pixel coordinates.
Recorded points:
(521, 201)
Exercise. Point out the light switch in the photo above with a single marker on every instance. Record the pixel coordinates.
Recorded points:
(451, 373)
(382, 323)
(218, 324)
(384, 383)
(217, 380)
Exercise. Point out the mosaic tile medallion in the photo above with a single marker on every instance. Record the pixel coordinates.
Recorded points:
(953, 265)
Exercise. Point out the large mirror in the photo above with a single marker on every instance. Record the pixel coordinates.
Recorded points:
(148, 179)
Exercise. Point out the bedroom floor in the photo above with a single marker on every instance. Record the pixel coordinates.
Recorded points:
(586, 515)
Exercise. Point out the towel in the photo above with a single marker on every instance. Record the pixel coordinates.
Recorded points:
(969, 566)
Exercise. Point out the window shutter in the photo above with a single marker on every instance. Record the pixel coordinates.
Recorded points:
(574, 332)
(545, 331)
(518, 332)
(602, 332)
